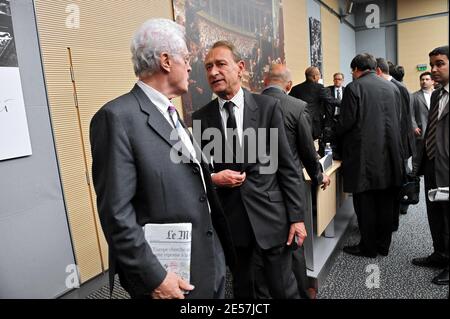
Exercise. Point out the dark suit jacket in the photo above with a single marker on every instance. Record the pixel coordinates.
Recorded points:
(408, 139)
(137, 183)
(371, 142)
(271, 201)
(332, 90)
(441, 160)
(319, 100)
(298, 133)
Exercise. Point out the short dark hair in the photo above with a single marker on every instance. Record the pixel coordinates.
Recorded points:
(397, 72)
(439, 51)
(425, 73)
(383, 65)
(338, 73)
(364, 61)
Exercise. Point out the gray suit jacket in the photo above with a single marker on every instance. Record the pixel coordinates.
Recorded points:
(298, 133)
(419, 112)
(137, 183)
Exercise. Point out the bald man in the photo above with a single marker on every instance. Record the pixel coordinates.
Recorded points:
(278, 83)
(318, 98)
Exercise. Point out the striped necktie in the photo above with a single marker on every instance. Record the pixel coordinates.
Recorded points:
(432, 126)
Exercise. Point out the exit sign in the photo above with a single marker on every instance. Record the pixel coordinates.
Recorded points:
(421, 67)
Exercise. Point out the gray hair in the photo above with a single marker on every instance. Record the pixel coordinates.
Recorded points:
(154, 37)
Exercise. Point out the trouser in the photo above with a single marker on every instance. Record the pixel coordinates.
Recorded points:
(298, 268)
(398, 206)
(374, 211)
(264, 273)
(438, 215)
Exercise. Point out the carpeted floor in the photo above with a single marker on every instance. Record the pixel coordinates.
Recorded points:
(398, 278)
(390, 277)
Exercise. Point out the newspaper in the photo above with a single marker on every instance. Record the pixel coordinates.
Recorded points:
(171, 244)
(439, 194)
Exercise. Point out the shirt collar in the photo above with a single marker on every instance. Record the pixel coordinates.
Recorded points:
(238, 99)
(389, 78)
(446, 88)
(275, 87)
(160, 100)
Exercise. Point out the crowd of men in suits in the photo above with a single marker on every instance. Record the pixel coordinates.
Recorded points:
(243, 216)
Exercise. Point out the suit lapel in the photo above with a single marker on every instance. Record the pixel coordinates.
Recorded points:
(249, 122)
(422, 99)
(157, 121)
(214, 118)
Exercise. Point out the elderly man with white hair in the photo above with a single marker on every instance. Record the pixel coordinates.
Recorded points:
(137, 180)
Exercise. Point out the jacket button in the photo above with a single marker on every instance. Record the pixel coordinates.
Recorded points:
(196, 170)
(209, 233)
(203, 198)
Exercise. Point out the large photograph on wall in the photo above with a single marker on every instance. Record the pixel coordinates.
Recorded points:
(315, 40)
(255, 27)
(14, 136)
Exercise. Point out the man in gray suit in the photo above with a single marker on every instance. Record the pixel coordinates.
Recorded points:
(408, 144)
(146, 170)
(278, 83)
(420, 104)
(434, 165)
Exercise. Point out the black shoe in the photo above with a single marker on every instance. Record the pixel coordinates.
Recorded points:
(442, 278)
(429, 261)
(383, 252)
(403, 212)
(357, 251)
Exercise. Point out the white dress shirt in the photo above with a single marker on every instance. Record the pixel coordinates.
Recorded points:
(238, 110)
(427, 96)
(443, 102)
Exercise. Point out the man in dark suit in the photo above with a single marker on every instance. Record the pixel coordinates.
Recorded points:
(420, 104)
(337, 89)
(332, 112)
(261, 193)
(137, 140)
(278, 82)
(407, 134)
(319, 100)
(434, 165)
(372, 164)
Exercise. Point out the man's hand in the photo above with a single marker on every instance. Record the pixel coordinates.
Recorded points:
(228, 178)
(325, 181)
(299, 230)
(418, 131)
(171, 287)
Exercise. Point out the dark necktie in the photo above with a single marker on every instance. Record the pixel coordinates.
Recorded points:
(232, 139)
(432, 125)
(339, 94)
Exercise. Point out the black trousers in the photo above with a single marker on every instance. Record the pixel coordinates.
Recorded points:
(438, 215)
(374, 211)
(298, 268)
(398, 206)
(264, 273)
